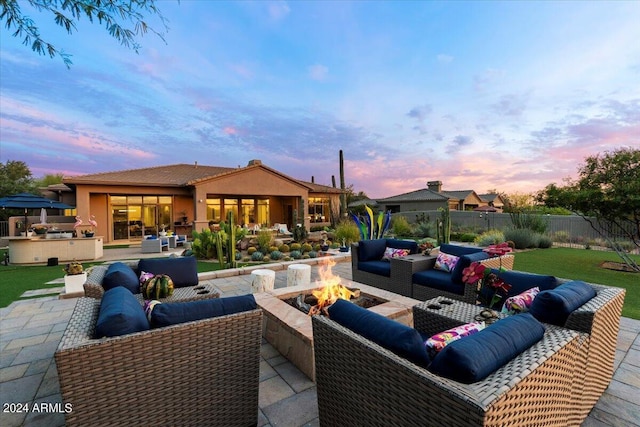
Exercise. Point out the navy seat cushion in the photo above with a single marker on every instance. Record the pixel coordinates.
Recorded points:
(382, 268)
(180, 312)
(403, 244)
(182, 270)
(403, 340)
(554, 306)
(120, 313)
(475, 357)
(458, 250)
(464, 262)
(371, 250)
(437, 279)
(521, 282)
(120, 274)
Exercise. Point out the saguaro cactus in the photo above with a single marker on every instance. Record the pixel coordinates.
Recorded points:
(231, 241)
(443, 227)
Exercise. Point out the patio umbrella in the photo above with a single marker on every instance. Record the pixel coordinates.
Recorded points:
(30, 201)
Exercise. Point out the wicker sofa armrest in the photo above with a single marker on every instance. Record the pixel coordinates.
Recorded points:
(209, 367)
(93, 286)
(361, 383)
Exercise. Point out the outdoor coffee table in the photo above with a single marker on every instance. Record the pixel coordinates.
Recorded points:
(442, 313)
(187, 293)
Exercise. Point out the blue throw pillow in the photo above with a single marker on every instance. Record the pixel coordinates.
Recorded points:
(401, 339)
(458, 250)
(475, 357)
(182, 270)
(120, 314)
(180, 312)
(371, 250)
(521, 281)
(120, 274)
(554, 306)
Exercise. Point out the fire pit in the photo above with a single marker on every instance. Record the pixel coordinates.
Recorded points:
(289, 329)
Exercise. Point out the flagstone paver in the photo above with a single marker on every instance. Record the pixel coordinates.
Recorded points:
(30, 331)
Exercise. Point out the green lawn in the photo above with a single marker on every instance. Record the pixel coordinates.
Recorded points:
(581, 264)
(567, 263)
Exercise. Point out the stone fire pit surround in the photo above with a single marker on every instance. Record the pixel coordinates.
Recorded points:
(289, 330)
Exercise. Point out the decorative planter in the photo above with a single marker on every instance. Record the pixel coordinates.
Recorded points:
(89, 234)
(74, 283)
(344, 248)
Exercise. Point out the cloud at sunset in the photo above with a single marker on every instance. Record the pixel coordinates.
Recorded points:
(292, 83)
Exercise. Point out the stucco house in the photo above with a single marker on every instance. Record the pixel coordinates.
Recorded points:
(184, 197)
(434, 197)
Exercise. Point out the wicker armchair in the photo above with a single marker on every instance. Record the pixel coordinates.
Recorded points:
(192, 374)
(423, 293)
(359, 383)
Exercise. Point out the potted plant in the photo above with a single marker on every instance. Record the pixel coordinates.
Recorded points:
(346, 232)
(40, 229)
(74, 278)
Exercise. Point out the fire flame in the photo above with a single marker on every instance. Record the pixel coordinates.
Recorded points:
(331, 290)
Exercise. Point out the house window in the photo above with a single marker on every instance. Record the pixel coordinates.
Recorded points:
(214, 209)
(136, 216)
(319, 209)
(263, 211)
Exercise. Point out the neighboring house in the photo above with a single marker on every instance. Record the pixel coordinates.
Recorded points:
(493, 200)
(433, 198)
(132, 203)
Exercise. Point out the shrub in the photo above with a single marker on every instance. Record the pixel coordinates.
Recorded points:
(296, 246)
(530, 221)
(284, 248)
(522, 238)
(346, 231)
(545, 242)
(464, 237)
(238, 256)
(264, 239)
(317, 247)
(425, 229)
(275, 255)
(295, 254)
(257, 256)
(400, 226)
(561, 237)
(313, 254)
(491, 237)
(246, 259)
(266, 258)
(251, 250)
(306, 247)
(272, 248)
(300, 233)
(334, 245)
(306, 256)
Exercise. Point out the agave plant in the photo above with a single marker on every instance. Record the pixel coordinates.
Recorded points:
(372, 227)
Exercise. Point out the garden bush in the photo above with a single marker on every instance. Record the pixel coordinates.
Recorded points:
(295, 254)
(545, 242)
(276, 255)
(313, 254)
(491, 237)
(257, 256)
(272, 248)
(522, 238)
(251, 250)
(264, 240)
(346, 231)
(306, 247)
(425, 229)
(401, 227)
(295, 246)
(284, 248)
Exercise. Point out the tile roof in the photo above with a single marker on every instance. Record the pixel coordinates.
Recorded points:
(457, 194)
(178, 175)
(423, 194)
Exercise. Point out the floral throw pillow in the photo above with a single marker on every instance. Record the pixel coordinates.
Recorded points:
(520, 303)
(394, 253)
(148, 307)
(439, 341)
(446, 262)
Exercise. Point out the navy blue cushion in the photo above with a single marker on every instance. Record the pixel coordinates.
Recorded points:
(473, 358)
(120, 274)
(182, 270)
(438, 279)
(458, 250)
(464, 262)
(180, 312)
(120, 314)
(404, 341)
(403, 244)
(381, 268)
(554, 306)
(371, 250)
(521, 282)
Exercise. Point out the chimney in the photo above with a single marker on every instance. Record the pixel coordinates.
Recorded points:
(435, 186)
(254, 162)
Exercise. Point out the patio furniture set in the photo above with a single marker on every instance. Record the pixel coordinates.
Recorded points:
(193, 359)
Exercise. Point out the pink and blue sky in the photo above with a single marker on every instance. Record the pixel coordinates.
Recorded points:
(480, 95)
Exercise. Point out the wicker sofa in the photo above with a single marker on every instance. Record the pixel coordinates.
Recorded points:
(555, 382)
(187, 288)
(204, 372)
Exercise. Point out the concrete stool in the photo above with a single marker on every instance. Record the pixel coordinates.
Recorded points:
(262, 280)
(299, 274)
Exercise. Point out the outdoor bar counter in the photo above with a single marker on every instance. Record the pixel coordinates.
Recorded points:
(37, 250)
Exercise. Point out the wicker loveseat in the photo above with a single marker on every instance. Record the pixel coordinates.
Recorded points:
(204, 372)
(392, 275)
(182, 270)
